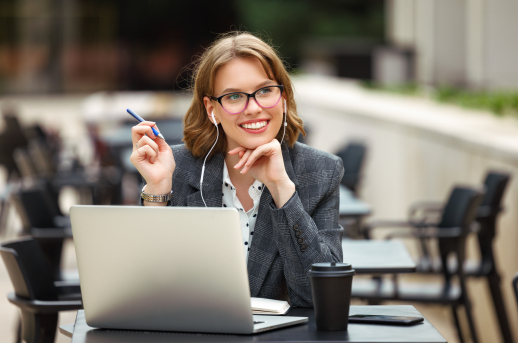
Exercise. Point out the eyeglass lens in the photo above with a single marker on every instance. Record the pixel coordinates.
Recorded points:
(266, 97)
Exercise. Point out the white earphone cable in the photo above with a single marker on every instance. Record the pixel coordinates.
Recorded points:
(285, 115)
(205, 160)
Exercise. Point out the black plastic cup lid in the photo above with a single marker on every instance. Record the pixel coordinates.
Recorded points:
(331, 269)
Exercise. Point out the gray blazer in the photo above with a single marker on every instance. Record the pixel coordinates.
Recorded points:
(287, 241)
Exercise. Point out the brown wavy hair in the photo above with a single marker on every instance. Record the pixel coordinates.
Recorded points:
(199, 132)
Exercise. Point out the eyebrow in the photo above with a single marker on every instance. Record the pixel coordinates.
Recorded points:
(262, 84)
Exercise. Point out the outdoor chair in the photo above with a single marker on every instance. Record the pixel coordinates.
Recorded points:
(424, 214)
(12, 137)
(43, 220)
(451, 232)
(353, 156)
(35, 292)
(48, 168)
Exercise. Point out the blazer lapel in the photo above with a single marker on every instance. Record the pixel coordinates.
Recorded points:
(262, 250)
(212, 183)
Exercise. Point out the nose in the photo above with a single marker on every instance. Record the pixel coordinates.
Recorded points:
(253, 107)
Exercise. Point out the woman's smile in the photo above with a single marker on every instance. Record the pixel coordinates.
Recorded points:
(255, 126)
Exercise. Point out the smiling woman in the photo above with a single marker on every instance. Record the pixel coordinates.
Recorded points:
(224, 68)
(238, 153)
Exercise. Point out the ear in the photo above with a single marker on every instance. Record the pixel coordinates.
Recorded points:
(209, 107)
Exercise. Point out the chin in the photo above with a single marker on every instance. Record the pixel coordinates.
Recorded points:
(254, 143)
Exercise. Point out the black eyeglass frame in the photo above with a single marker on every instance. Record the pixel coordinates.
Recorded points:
(248, 96)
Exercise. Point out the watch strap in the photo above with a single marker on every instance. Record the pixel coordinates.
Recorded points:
(156, 198)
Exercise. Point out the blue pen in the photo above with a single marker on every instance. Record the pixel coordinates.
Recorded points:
(139, 118)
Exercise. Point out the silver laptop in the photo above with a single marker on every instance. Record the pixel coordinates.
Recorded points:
(165, 269)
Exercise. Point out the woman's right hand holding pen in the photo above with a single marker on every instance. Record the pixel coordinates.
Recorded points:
(153, 158)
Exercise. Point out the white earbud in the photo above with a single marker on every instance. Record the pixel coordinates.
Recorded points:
(213, 119)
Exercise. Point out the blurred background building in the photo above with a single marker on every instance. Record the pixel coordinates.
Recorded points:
(88, 45)
(463, 43)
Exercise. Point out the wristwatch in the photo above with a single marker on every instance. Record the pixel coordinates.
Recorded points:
(156, 198)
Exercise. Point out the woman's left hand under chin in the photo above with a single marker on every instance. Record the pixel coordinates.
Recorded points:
(265, 163)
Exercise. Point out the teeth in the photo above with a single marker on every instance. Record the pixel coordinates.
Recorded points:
(255, 126)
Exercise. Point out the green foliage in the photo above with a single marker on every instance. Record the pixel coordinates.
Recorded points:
(498, 102)
(287, 23)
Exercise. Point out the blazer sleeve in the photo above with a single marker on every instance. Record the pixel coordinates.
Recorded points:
(303, 239)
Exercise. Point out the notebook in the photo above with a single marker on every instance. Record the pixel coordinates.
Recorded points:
(165, 269)
(269, 306)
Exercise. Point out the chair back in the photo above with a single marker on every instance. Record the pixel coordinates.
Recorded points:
(24, 163)
(461, 209)
(36, 207)
(11, 138)
(496, 184)
(458, 214)
(41, 157)
(352, 156)
(28, 269)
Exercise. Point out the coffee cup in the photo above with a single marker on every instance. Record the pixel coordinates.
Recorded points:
(331, 284)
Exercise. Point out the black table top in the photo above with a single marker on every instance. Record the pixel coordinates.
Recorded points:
(419, 333)
(378, 257)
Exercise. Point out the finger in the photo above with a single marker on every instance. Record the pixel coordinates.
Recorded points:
(143, 153)
(241, 153)
(138, 131)
(243, 159)
(142, 129)
(263, 150)
(237, 150)
(145, 140)
(150, 153)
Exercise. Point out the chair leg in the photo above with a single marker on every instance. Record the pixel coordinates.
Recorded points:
(39, 328)
(485, 242)
(18, 338)
(426, 257)
(465, 297)
(4, 213)
(457, 323)
(471, 322)
(493, 280)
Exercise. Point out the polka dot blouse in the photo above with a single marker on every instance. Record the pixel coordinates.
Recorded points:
(247, 219)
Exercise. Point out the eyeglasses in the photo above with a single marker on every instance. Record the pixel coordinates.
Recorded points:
(237, 102)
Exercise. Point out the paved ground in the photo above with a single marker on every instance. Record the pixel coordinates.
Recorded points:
(63, 114)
